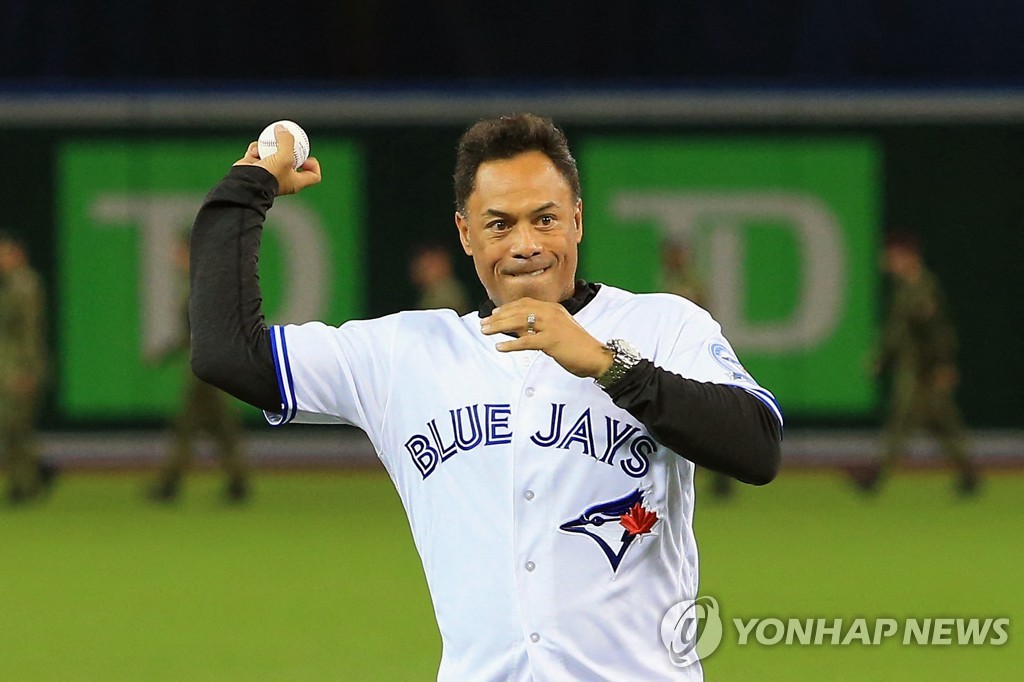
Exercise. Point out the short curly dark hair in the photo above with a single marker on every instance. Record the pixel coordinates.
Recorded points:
(908, 240)
(504, 138)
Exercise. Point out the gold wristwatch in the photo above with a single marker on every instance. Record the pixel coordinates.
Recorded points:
(624, 359)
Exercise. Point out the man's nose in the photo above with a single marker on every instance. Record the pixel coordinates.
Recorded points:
(524, 242)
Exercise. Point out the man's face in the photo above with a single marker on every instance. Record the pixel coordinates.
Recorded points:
(181, 256)
(676, 258)
(522, 227)
(429, 267)
(8, 256)
(898, 261)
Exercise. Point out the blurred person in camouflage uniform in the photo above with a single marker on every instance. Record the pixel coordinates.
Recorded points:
(23, 370)
(430, 269)
(679, 276)
(203, 409)
(918, 353)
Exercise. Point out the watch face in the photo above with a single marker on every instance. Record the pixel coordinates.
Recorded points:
(628, 349)
(619, 344)
(626, 356)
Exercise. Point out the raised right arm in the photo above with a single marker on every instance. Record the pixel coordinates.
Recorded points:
(230, 343)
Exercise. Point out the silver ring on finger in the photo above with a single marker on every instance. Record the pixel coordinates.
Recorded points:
(531, 320)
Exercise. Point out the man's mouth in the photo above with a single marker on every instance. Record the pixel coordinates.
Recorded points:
(530, 273)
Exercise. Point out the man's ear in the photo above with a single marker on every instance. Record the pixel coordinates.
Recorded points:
(463, 226)
(578, 218)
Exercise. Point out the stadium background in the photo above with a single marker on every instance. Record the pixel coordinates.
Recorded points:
(97, 585)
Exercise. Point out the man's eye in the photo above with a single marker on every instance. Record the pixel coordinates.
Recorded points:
(547, 220)
(497, 225)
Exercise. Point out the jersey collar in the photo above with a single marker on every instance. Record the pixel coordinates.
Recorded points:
(583, 294)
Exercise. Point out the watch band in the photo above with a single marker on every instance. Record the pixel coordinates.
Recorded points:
(625, 357)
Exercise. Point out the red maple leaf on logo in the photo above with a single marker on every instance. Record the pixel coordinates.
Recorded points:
(638, 520)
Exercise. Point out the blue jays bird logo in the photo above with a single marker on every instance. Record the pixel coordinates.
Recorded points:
(614, 525)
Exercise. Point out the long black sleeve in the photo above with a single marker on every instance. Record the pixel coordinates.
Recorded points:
(721, 428)
(230, 342)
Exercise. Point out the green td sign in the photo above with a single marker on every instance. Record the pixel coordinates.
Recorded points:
(783, 233)
(124, 209)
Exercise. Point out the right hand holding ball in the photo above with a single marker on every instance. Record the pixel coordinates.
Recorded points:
(268, 141)
(283, 150)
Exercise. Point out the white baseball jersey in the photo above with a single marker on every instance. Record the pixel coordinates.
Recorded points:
(554, 531)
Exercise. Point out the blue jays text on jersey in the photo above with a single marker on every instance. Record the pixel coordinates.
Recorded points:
(463, 429)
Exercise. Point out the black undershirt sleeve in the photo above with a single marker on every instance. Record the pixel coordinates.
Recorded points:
(719, 427)
(230, 342)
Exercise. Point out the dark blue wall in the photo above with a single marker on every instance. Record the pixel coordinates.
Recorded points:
(863, 42)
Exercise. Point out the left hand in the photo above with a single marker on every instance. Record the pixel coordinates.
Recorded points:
(555, 333)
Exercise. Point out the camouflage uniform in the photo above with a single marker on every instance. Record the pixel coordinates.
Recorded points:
(447, 293)
(22, 371)
(918, 343)
(683, 281)
(204, 408)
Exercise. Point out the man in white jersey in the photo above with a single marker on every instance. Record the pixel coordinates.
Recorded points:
(543, 447)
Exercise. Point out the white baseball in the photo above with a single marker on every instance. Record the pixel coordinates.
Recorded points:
(268, 143)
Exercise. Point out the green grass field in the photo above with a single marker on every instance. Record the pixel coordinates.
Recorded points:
(317, 579)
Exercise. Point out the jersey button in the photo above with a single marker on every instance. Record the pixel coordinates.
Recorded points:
(529, 392)
(530, 566)
(528, 495)
(534, 637)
